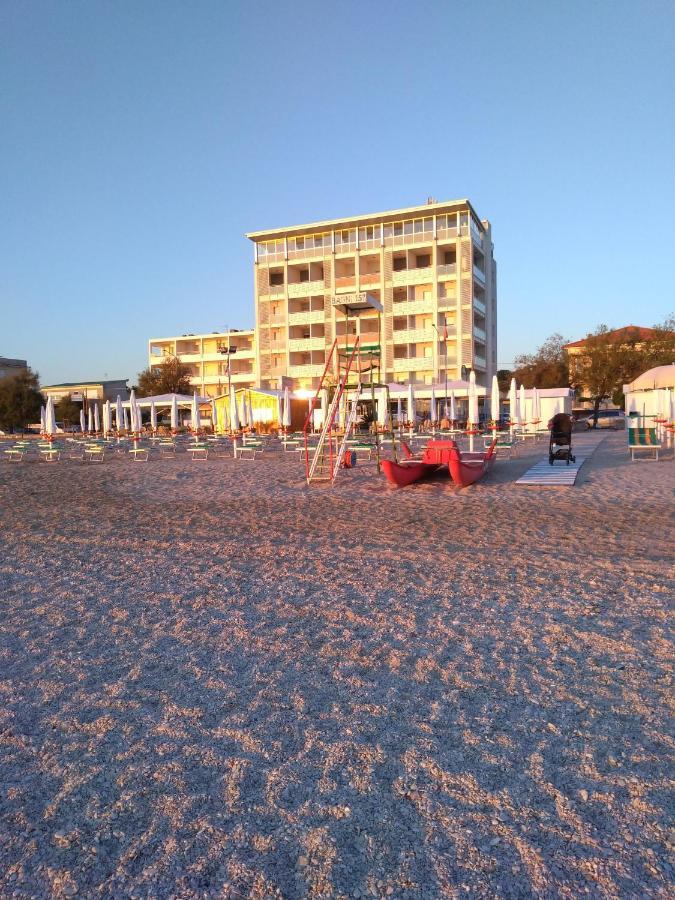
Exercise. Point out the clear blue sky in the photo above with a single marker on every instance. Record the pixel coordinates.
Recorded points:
(140, 140)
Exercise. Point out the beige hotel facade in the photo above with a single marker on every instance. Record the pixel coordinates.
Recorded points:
(431, 268)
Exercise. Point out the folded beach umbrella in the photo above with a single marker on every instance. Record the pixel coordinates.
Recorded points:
(133, 412)
(50, 417)
(522, 417)
(536, 406)
(381, 409)
(280, 410)
(83, 422)
(174, 413)
(411, 404)
(107, 417)
(249, 409)
(287, 408)
(399, 411)
(90, 420)
(453, 407)
(473, 400)
(119, 414)
(214, 416)
(494, 399)
(513, 403)
(432, 406)
(194, 417)
(153, 416)
(42, 420)
(126, 420)
(243, 421)
(234, 412)
(97, 419)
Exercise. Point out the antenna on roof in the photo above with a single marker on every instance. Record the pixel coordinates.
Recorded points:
(431, 200)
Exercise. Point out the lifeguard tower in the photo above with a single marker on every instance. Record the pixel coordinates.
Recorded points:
(352, 372)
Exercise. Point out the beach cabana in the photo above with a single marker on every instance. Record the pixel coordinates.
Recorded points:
(262, 406)
(650, 395)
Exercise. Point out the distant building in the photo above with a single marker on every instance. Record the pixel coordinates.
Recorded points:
(216, 360)
(88, 390)
(633, 335)
(430, 268)
(12, 366)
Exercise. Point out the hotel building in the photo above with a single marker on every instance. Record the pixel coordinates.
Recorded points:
(215, 360)
(431, 268)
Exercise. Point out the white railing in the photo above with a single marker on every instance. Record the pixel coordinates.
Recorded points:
(414, 335)
(446, 269)
(312, 343)
(307, 371)
(413, 363)
(445, 233)
(413, 276)
(304, 288)
(407, 240)
(306, 317)
(405, 307)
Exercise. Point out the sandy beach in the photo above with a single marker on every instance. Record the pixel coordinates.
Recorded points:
(218, 682)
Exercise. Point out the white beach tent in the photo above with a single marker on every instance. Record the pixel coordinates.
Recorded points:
(50, 417)
(83, 421)
(648, 394)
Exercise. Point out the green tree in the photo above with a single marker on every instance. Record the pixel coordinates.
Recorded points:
(169, 377)
(67, 411)
(504, 377)
(546, 368)
(659, 350)
(20, 400)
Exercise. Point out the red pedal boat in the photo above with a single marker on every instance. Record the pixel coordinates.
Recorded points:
(410, 470)
(467, 468)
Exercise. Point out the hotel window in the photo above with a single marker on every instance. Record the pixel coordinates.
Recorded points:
(398, 229)
(276, 277)
(423, 260)
(399, 264)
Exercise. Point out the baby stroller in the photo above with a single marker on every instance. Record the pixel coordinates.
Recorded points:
(560, 444)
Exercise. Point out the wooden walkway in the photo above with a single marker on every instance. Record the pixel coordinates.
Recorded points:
(560, 474)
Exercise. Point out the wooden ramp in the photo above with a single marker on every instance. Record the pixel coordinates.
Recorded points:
(560, 474)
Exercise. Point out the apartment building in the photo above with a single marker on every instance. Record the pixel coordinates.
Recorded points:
(431, 269)
(215, 360)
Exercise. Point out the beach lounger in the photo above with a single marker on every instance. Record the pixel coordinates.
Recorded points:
(16, 454)
(139, 453)
(247, 451)
(51, 454)
(643, 439)
(94, 454)
(198, 451)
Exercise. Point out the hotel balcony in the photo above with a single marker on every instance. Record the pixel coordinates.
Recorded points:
(345, 283)
(188, 358)
(413, 363)
(366, 279)
(243, 353)
(406, 307)
(447, 270)
(306, 318)
(478, 275)
(276, 320)
(306, 371)
(273, 291)
(305, 288)
(479, 305)
(413, 276)
(409, 239)
(414, 335)
(479, 333)
(241, 377)
(479, 361)
(312, 343)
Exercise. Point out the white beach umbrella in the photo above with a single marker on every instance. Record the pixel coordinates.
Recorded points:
(243, 412)
(174, 413)
(119, 414)
(494, 400)
(432, 406)
(153, 416)
(522, 417)
(83, 421)
(411, 405)
(97, 419)
(453, 408)
(127, 426)
(194, 418)
(50, 417)
(472, 422)
(513, 403)
(287, 408)
(42, 420)
(399, 411)
(280, 410)
(90, 420)
(107, 418)
(234, 412)
(214, 416)
(536, 406)
(249, 409)
(382, 409)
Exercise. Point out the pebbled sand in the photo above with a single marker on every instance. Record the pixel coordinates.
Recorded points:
(217, 682)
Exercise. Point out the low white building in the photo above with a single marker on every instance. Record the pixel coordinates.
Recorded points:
(651, 395)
